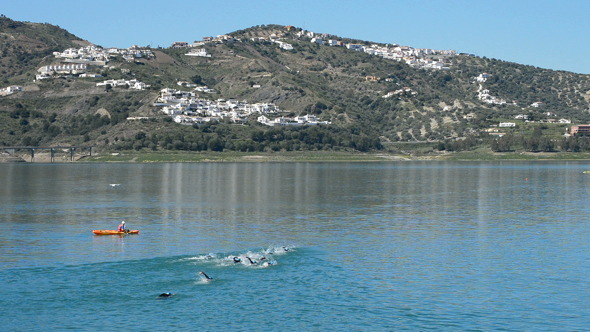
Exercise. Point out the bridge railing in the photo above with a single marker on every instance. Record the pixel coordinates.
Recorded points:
(52, 150)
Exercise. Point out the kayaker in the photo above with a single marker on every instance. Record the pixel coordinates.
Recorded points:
(121, 227)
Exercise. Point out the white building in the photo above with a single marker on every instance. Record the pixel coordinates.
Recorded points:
(317, 40)
(69, 68)
(132, 84)
(285, 46)
(10, 90)
(355, 47)
(507, 124)
(483, 77)
(199, 52)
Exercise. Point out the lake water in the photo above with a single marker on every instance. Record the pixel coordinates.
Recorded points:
(402, 246)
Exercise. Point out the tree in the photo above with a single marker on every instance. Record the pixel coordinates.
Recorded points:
(215, 144)
(197, 79)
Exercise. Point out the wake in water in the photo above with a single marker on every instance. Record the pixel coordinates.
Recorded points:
(254, 259)
(204, 277)
(250, 259)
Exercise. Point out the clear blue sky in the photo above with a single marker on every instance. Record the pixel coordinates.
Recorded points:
(543, 33)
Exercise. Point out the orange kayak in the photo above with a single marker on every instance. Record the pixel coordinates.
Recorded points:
(113, 232)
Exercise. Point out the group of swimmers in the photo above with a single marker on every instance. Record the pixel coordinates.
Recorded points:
(255, 260)
(251, 261)
(263, 259)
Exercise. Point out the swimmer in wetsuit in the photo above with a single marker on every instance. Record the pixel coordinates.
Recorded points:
(207, 278)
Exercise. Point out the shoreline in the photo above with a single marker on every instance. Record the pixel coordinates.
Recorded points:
(294, 156)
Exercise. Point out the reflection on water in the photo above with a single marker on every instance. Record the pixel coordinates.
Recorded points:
(347, 206)
(474, 245)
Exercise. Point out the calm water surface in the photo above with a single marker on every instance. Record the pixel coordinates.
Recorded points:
(370, 246)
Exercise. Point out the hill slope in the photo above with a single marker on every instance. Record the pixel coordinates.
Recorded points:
(369, 100)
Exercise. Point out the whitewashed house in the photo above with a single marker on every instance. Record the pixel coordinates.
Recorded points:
(483, 77)
(264, 120)
(199, 52)
(506, 124)
(317, 40)
(355, 47)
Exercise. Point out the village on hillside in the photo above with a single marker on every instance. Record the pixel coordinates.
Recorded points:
(415, 57)
(78, 62)
(186, 107)
(485, 96)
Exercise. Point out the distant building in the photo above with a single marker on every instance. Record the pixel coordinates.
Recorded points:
(10, 90)
(199, 52)
(355, 47)
(317, 40)
(580, 130)
(507, 124)
(179, 44)
(482, 77)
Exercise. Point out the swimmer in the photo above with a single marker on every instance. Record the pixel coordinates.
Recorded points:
(251, 261)
(237, 259)
(207, 278)
(167, 294)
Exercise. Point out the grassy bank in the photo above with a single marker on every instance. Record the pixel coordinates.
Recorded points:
(478, 155)
(182, 156)
(320, 156)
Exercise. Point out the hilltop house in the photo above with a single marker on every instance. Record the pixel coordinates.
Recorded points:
(179, 45)
(355, 47)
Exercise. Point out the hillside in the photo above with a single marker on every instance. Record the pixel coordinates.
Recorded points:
(368, 99)
(25, 45)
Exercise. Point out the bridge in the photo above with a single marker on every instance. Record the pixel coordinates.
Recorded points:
(52, 150)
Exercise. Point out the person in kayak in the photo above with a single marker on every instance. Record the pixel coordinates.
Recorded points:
(121, 227)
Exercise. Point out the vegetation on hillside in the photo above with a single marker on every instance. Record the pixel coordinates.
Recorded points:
(342, 86)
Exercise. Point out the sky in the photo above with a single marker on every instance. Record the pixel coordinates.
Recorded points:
(552, 34)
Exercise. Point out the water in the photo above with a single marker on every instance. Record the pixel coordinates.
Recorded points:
(371, 246)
